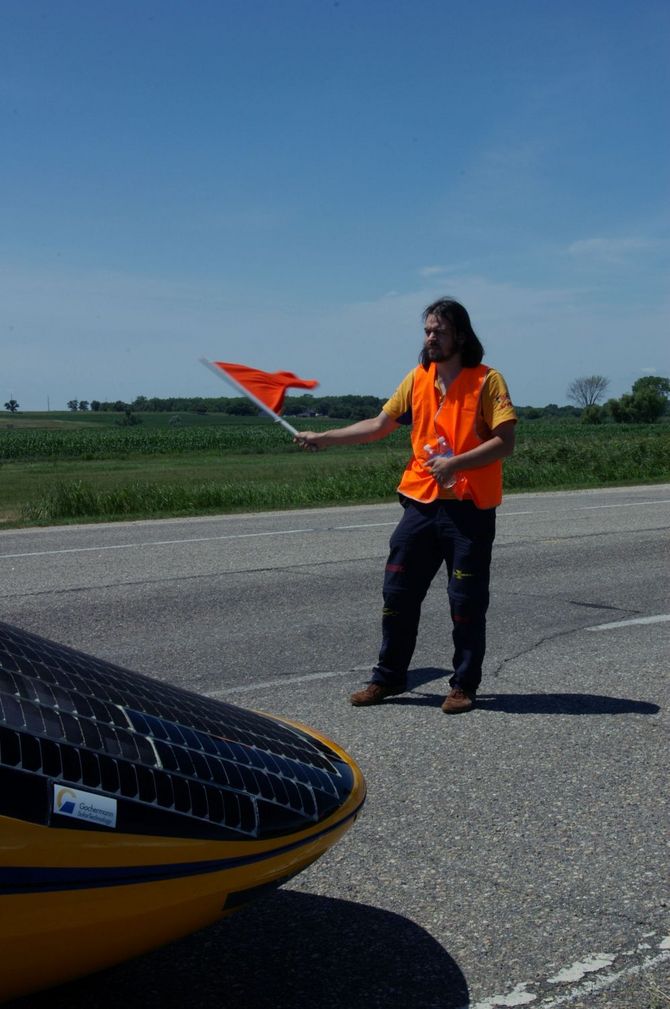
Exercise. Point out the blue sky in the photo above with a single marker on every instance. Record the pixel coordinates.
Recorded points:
(286, 184)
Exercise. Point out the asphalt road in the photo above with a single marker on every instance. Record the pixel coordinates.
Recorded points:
(516, 855)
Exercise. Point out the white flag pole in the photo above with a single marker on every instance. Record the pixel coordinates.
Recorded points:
(222, 373)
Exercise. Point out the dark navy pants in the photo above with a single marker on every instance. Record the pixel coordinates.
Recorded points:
(461, 536)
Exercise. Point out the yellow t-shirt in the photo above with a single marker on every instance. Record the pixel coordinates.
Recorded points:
(495, 405)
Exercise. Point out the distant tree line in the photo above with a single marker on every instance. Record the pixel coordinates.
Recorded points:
(338, 407)
(347, 407)
(647, 401)
(549, 412)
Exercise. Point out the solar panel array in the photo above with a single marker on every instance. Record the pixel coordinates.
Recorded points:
(210, 766)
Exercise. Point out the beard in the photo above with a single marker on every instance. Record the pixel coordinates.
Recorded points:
(437, 354)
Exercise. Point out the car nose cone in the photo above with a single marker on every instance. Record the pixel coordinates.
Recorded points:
(124, 800)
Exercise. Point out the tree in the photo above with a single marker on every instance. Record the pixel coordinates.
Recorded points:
(129, 419)
(588, 390)
(650, 398)
(73, 404)
(592, 414)
(11, 405)
(242, 408)
(83, 405)
(95, 405)
(529, 412)
(653, 384)
(647, 401)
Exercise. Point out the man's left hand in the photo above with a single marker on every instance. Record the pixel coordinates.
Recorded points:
(442, 468)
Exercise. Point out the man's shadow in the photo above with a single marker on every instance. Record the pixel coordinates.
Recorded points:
(564, 704)
(524, 704)
(289, 950)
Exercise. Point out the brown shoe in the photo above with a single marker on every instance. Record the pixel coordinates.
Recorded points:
(457, 701)
(374, 693)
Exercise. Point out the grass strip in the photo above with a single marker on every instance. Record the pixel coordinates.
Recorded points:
(566, 462)
(81, 500)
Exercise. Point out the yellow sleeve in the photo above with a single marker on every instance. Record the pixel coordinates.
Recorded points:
(496, 404)
(399, 406)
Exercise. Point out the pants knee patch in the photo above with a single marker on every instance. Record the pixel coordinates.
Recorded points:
(467, 610)
(462, 618)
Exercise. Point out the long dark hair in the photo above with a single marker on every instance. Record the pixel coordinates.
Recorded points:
(467, 341)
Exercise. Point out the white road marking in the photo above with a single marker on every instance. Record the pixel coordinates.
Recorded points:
(515, 998)
(506, 514)
(365, 525)
(281, 681)
(577, 970)
(623, 504)
(592, 964)
(156, 543)
(585, 508)
(190, 539)
(662, 618)
(283, 532)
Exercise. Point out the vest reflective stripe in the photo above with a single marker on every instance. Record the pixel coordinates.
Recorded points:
(454, 419)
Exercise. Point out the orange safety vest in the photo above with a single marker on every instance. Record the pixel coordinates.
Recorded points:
(454, 417)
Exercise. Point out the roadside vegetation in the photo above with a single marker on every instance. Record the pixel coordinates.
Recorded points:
(91, 466)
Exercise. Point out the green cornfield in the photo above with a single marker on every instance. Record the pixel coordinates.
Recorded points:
(114, 443)
(101, 472)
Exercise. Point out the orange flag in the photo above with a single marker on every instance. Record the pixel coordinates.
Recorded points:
(269, 387)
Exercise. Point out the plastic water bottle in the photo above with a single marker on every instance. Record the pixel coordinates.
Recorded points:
(443, 448)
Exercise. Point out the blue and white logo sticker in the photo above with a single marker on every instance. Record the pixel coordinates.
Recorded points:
(84, 805)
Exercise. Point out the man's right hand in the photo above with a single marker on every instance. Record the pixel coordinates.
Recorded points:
(308, 440)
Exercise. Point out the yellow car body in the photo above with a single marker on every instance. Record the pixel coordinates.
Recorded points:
(133, 812)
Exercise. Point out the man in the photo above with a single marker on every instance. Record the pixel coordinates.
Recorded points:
(463, 425)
